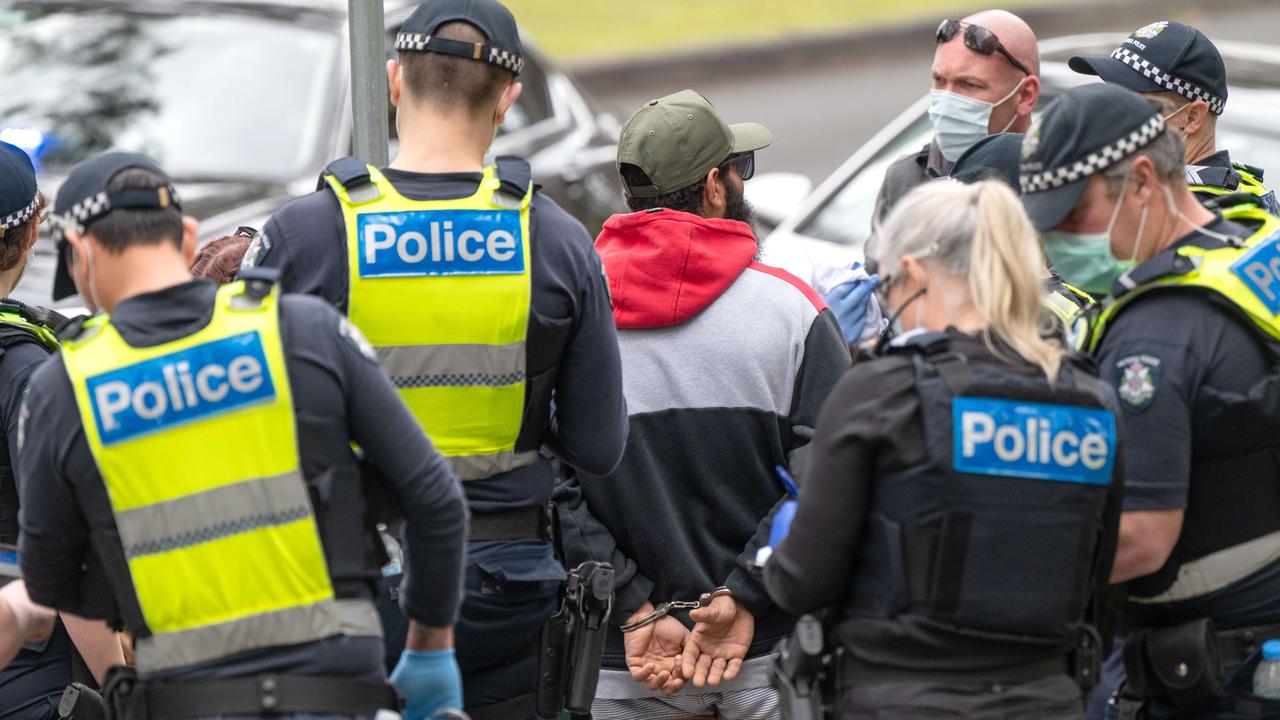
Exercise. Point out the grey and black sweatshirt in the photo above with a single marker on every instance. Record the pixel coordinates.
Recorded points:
(726, 364)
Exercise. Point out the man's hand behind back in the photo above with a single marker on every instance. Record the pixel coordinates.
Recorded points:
(719, 642)
(653, 651)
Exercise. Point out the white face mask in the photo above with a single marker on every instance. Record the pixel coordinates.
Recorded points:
(959, 121)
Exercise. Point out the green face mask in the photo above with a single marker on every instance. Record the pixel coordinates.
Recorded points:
(1085, 260)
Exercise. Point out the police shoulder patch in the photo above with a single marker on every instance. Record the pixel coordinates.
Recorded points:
(352, 335)
(256, 252)
(1137, 379)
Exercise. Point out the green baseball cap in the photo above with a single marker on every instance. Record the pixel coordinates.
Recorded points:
(676, 140)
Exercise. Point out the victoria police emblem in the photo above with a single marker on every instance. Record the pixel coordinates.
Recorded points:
(1149, 31)
(1137, 377)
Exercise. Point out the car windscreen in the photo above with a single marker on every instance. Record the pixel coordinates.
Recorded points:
(207, 94)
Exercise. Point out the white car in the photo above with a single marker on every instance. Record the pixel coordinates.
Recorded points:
(830, 226)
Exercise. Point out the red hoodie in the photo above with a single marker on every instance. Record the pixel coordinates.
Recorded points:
(665, 266)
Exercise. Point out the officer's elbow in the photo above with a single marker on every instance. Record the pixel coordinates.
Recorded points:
(1146, 541)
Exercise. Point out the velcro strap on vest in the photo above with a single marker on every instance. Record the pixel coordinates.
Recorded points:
(518, 524)
(1212, 176)
(516, 176)
(1163, 265)
(269, 695)
(1256, 172)
(350, 172)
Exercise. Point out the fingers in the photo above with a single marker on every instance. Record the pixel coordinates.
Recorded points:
(640, 673)
(731, 671)
(657, 680)
(689, 659)
(702, 670)
(716, 672)
(717, 613)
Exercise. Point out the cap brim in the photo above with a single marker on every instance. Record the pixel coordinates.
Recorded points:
(749, 137)
(1048, 209)
(1114, 72)
(63, 286)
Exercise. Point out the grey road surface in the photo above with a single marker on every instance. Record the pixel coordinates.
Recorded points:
(819, 116)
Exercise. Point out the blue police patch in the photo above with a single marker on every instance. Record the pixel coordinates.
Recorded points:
(1137, 379)
(1259, 270)
(1039, 441)
(440, 242)
(186, 385)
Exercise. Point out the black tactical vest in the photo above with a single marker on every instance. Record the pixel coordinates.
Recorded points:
(1009, 523)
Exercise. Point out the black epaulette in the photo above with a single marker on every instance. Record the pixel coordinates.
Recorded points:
(351, 172)
(1257, 172)
(73, 327)
(516, 176)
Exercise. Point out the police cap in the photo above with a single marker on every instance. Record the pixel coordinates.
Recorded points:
(1084, 131)
(1165, 56)
(502, 38)
(83, 198)
(17, 187)
(994, 156)
(677, 139)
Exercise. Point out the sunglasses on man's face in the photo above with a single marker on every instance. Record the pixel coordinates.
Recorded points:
(977, 39)
(746, 164)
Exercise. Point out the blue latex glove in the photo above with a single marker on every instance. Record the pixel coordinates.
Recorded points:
(849, 303)
(429, 681)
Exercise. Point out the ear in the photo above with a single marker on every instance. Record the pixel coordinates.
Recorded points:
(914, 271)
(33, 235)
(714, 198)
(1143, 180)
(394, 75)
(189, 239)
(1197, 113)
(1028, 95)
(509, 97)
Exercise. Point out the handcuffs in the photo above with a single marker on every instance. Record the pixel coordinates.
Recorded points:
(666, 608)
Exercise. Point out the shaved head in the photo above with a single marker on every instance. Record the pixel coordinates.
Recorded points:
(1014, 33)
(992, 78)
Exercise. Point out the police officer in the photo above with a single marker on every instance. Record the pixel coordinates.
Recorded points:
(31, 684)
(1178, 62)
(485, 300)
(187, 471)
(960, 502)
(998, 156)
(1188, 340)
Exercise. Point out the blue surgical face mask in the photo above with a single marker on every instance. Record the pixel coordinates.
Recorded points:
(959, 121)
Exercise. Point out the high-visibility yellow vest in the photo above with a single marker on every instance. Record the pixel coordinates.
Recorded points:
(1210, 180)
(196, 444)
(1072, 313)
(1245, 273)
(11, 315)
(441, 288)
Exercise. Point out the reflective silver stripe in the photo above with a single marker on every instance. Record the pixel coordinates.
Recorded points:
(213, 514)
(1218, 570)
(413, 366)
(291, 626)
(478, 467)
(358, 618)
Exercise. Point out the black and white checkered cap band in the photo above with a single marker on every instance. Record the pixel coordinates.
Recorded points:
(16, 218)
(1190, 91)
(421, 42)
(95, 206)
(1096, 161)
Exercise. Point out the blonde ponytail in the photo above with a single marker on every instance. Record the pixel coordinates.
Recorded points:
(1005, 277)
(978, 232)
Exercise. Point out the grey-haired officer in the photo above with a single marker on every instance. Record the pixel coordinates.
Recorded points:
(1177, 62)
(485, 299)
(1188, 340)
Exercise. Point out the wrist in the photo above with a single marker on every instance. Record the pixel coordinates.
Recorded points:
(422, 638)
(644, 609)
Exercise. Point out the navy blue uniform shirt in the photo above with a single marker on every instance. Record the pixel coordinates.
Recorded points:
(1169, 354)
(572, 343)
(340, 395)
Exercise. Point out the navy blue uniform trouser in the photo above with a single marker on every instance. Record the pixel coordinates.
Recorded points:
(511, 589)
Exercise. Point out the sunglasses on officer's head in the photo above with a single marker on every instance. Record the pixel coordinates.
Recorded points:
(745, 162)
(977, 39)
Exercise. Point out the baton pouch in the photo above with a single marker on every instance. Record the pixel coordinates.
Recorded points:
(1181, 664)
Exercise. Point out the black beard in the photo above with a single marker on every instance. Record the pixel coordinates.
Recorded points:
(737, 208)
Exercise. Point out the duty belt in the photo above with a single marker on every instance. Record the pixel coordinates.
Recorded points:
(267, 694)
